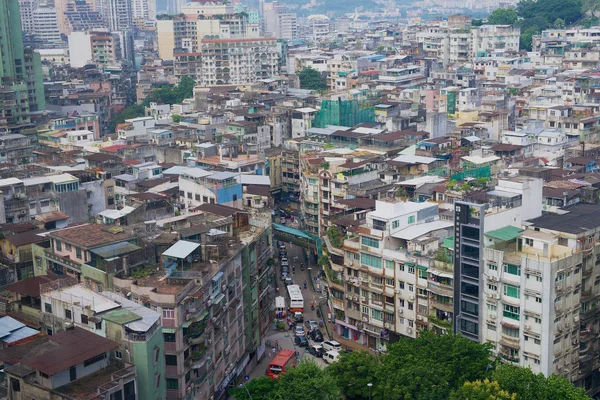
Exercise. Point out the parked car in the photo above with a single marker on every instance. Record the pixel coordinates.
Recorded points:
(311, 324)
(316, 350)
(330, 345)
(284, 260)
(316, 335)
(288, 281)
(301, 341)
(331, 356)
(299, 331)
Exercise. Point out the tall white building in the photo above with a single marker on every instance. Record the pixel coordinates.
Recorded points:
(117, 15)
(26, 8)
(143, 9)
(490, 38)
(45, 25)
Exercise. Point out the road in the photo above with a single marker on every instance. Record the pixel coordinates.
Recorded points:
(286, 339)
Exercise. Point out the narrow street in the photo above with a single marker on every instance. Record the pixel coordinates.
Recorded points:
(286, 339)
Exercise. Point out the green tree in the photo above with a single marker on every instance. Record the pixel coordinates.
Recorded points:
(133, 111)
(312, 79)
(307, 382)
(352, 373)
(262, 388)
(176, 118)
(502, 16)
(482, 390)
(431, 366)
(558, 23)
(529, 386)
(172, 95)
(334, 237)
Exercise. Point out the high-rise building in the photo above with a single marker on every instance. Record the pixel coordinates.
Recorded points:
(199, 20)
(278, 22)
(27, 7)
(45, 25)
(118, 17)
(143, 9)
(18, 66)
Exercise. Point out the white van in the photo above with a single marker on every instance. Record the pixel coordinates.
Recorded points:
(330, 345)
(280, 307)
(331, 356)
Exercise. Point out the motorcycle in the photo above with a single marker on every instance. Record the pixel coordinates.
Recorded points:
(312, 307)
(301, 267)
(304, 285)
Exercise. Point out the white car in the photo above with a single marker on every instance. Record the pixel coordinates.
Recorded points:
(330, 345)
(311, 324)
(331, 356)
(299, 330)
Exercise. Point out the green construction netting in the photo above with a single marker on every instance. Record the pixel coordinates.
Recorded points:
(483, 172)
(343, 113)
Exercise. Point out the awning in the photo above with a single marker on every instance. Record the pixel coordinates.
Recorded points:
(218, 299)
(169, 330)
(181, 249)
(422, 268)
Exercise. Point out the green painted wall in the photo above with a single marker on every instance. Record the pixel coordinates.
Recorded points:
(39, 261)
(143, 358)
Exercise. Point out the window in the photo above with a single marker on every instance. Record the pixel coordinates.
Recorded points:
(379, 225)
(49, 332)
(156, 381)
(511, 312)
(370, 260)
(389, 264)
(118, 354)
(401, 303)
(172, 384)
(538, 299)
(512, 291)
(492, 287)
(376, 314)
(68, 247)
(492, 267)
(411, 269)
(99, 325)
(395, 224)
(411, 306)
(84, 319)
(48, 307)
(367, 241)
(365, 310)
(422, 272)
(169, 337)
(58, 245)
(401, 267)
(170, 359)
(156, 355)
(78, 252)
(94, 360)
(168, 313)
(400, 285)
(411, 288)
(512, 269)
(491, 327)
(68, 314)
(389, 282)
(411, 219)
(492, 307)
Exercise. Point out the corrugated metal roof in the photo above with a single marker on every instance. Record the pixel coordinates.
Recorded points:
(181, 249)
(507, 233)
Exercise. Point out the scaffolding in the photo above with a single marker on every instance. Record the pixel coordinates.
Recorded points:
(343, 113)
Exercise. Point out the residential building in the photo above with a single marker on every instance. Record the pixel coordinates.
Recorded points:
(18, 65)
(118, 17)
(198, 186)
(82, 366)
(45, 25)
(490, 38)
(27, 7)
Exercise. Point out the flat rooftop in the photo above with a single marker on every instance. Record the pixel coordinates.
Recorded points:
(577, 219)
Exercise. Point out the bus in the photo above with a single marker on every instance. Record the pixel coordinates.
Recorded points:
(282, 362)
(280, 307)
(295, 299)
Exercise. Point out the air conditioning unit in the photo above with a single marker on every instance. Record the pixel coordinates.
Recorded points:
(575, 341)
(419, 317)
(351, 263)
(492, 316)
(398, 291)
(576, 319)
(363, 298)
(365, 319)
(386, 325)
(558, 287)
(527, 327)
(355, 298)
(359, 325)
(490, 295)
(411, 296)
(401, 311)
(496, 296)
(409, 330)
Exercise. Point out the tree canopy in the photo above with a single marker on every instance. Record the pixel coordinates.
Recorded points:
(529, 386)
(503, 16)
(172, 95)
(133, 111)
(431, 367)
(312, 79)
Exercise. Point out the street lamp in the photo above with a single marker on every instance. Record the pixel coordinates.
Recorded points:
(369, 385)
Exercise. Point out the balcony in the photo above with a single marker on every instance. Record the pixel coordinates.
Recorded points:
(441, 289)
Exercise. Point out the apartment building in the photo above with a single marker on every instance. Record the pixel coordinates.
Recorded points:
(490, 38)
(201, 19)
(198, 186)
(133, 326)
(328, 178)
(229, 61)
(82, 366)
(214, 297)
(45, 25)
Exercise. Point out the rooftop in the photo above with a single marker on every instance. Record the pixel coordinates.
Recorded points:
(92, 235)
(577, 219)
(66, 349)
